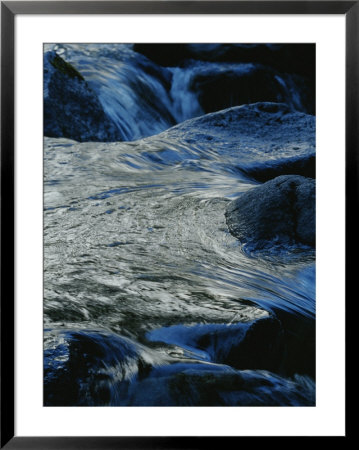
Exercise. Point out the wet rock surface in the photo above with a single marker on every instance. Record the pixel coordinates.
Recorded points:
(279, 212)
(125, 95)
(149, 300)
(277, 72)
(88, 367)
(254, 345)
(296, 58)
(71, 109)
(244, 84)
(304, 166)
(262, 139)
(210, 385)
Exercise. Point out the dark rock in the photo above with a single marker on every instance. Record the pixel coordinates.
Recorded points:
(299, 166)
(299, 336)
(279, 212)
(71, 109)
(254, 345)
(133, 91)
(217, 385)
(166, 55)
(88, 368)
(222, 86)
(259, 141)
(289, 58)
(261, 347)
(298, 60)
(97, 368)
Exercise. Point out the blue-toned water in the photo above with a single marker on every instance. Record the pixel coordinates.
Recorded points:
(148, 299)
(144, 99)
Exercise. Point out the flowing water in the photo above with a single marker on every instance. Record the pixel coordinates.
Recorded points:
(144, 99)
(137, 247)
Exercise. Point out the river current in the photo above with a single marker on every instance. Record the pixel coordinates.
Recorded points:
(138, 260)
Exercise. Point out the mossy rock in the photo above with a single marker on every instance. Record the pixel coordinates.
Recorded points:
(65, 68)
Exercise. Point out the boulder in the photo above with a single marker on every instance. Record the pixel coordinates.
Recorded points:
(305, 166)
(71, 109)
(260, 141)
(289, 58)
(89, 367)
(276, 213)
(188, 384)
(254, 345)
(220, 86)
(294, 62)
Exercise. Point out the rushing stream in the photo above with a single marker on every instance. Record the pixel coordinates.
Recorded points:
(148, 298)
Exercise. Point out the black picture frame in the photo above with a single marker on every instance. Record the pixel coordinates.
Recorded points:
(9, 9)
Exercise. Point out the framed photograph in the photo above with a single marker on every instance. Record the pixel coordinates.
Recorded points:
(174, 187)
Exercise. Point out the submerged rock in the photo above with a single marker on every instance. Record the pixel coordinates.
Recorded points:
(214, 385)
(71, 109)
(249, 142)
(279, 212)
(254, 345)
(260, 140)
(89, 368)
(96, 368)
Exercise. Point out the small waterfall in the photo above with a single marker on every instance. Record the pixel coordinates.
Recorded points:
(143, 99)
(150, 299)
(133, 91)
(185, 101)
